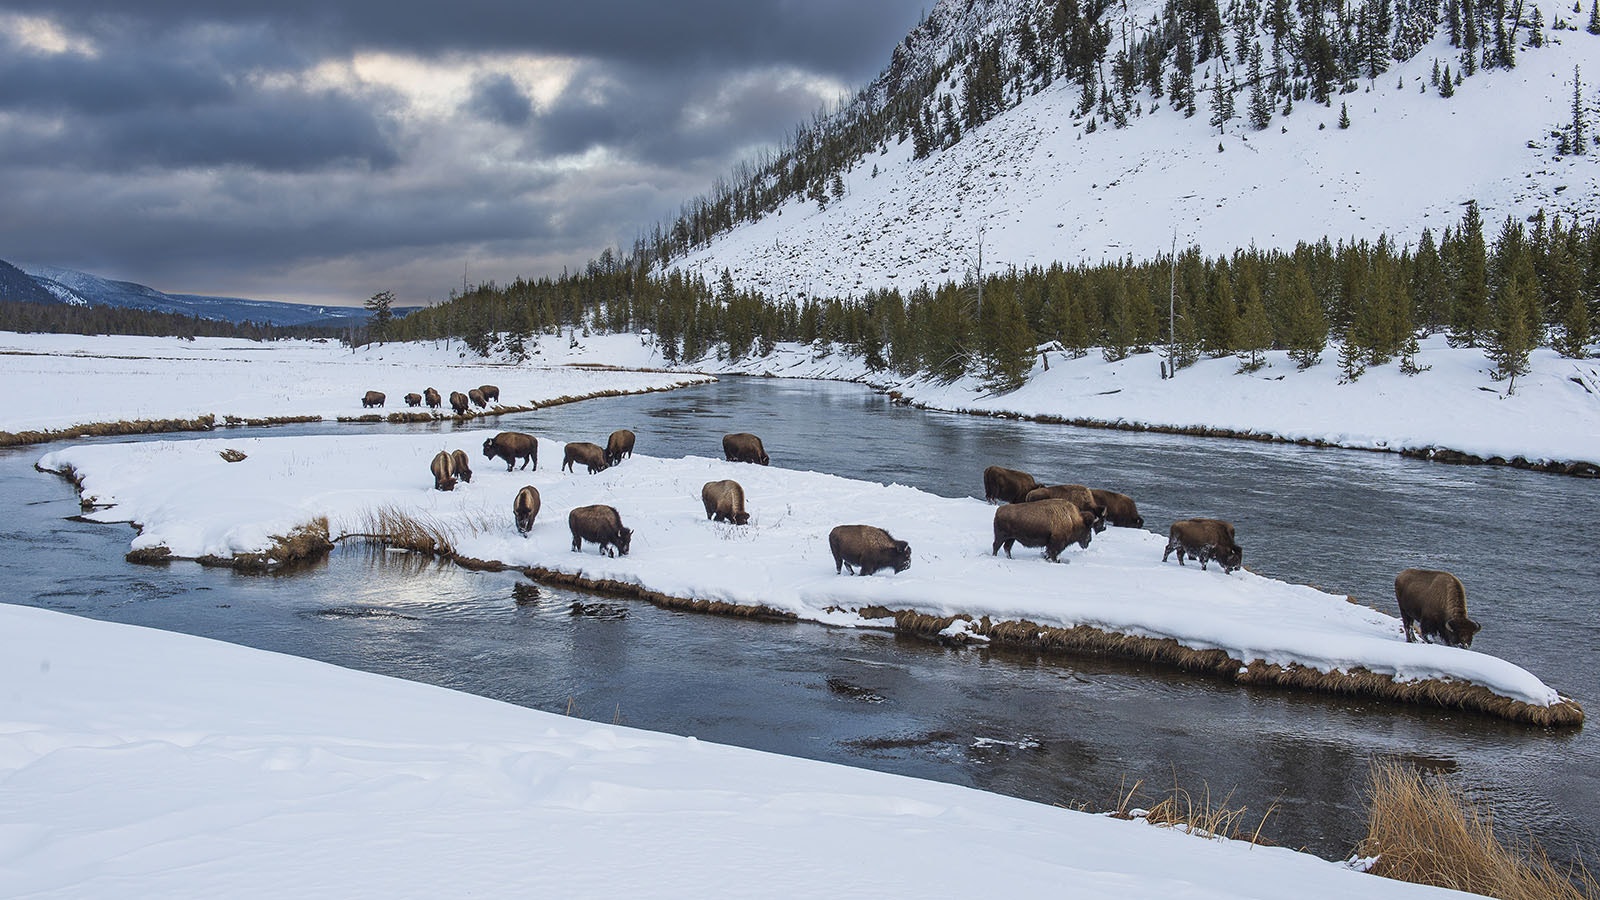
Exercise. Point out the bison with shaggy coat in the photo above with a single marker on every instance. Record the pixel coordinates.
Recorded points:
(1006, 485)
(525, 508)
(413, 399)
(724, 501)
(1436, 602)
(432, 398)
(620, 444)
(1051, 524)
(444, 473)
(1093, 513)
(490, 392)
(591, 455)
(458, 402)
(599, 524)
(373, 398)
(864, 549)
(744, 447)
(461, 465)
(1205, 540)
(1121, 511)
(512, 446)
(477, 398)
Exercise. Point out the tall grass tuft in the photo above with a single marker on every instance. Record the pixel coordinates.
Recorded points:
(1200, 814)
(1425, 830)
(393, 526)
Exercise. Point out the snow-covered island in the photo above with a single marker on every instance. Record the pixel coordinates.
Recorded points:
(1116, 596)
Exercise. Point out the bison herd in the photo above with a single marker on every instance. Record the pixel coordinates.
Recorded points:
(480, 396)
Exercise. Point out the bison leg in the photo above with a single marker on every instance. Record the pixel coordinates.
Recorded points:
(1168, 552)
(1204, 556)
(1405, 622)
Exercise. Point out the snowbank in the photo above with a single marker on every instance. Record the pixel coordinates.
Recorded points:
(186, 498)
(145, 763)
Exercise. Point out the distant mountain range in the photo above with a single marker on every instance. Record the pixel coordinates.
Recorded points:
(50, 284)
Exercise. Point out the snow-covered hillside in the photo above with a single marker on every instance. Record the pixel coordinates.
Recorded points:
(1031, 186)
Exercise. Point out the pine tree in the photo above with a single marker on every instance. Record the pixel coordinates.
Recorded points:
(1305, 330)
(1580, 140)
(1122, 327)
(1469, 311)
(1594, 17)
(381, 305)
(1221, 103)
(1260, 99)
(1255, 330)
(1008, 343)
(1344, 115)
(1429, 289)
(1572, 334)
(1447, 87)
(1511, 339)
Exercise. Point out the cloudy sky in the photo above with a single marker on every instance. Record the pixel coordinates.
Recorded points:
(324, 150)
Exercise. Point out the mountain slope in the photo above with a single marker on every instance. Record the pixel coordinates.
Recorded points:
(1035, 184)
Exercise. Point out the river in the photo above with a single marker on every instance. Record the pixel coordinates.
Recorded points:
(1072, 731)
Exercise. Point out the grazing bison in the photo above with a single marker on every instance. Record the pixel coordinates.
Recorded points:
(461, 465)
(599, 524)
(620, 444)
(1437, 603)
(744, 447)
(373, 398)
(476, 396)
(1007, 485)
(1205, 540)
(490, 392)
(458, 402)
(431, 397)
(590, 455)
(864, 549)
(444, 476)
(1093, 512)
(1121, 511)
(512, 446)
(724, 502)
(413, 399)
(525, 508)
(1051, 524)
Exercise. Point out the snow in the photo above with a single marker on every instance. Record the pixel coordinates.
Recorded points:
(1036, 189)
(143, 763)
(185, 497)
(75, 379)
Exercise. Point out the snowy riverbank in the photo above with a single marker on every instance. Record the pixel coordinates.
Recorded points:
(186, 498)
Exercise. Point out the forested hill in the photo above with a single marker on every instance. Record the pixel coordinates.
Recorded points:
(1036, 131)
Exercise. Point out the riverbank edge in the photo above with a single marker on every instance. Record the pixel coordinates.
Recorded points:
(209, 422)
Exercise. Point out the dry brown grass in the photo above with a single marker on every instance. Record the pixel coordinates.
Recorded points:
(105, 429)
(1425, 830)
(304, 543)
(232, 455)
(392, 526)
(1198, 814)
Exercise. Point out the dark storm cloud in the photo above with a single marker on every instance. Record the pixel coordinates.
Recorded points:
(498, 99)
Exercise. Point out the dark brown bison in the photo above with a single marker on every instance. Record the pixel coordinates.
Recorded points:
(1436, 602)
(1093, 513)
(413, 399)
(620, 444)
(590, 455)
(1205, 540)
(490, 392)
(461, 465)
(1121, 511)
(512, 446)
(1006, 485)
(599, 524)
(1051, 524)
(373, 398)
(458, 402)
(431, 397)
(864, 549)
(476, 396)
(724, 502)
(744, 447)
(444, 477)
(525, 508)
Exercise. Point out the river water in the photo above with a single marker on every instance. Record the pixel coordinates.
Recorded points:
(1070, 731)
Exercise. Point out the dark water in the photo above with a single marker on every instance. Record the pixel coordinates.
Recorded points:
(1057, 731)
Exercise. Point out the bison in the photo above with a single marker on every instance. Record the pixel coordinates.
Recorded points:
(1121, 511)
(1093, 513)
(458, 402)
(1006, 485)
(1437, 603)
(373, 398)
(444, 477)
(512, 446)
(461, 465)
(1205, 540)
(476, 396)
(1051, 524)
(431, 397)
(620, 444)
(599, 524)
(864, 549)
(413, 399)
(744, 447)
(590, 455)
(490, 393)
(724, 502)
(525, 508)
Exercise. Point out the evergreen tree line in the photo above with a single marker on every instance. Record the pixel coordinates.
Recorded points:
(66, 318)
(1536, 283)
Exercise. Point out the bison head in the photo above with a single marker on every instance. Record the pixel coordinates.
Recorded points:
(624, 539)
(488, 448)
(1459, 632)
(901, 556)
(1231, 557)
(1095, 517)
(765, 459)
(741, 519)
